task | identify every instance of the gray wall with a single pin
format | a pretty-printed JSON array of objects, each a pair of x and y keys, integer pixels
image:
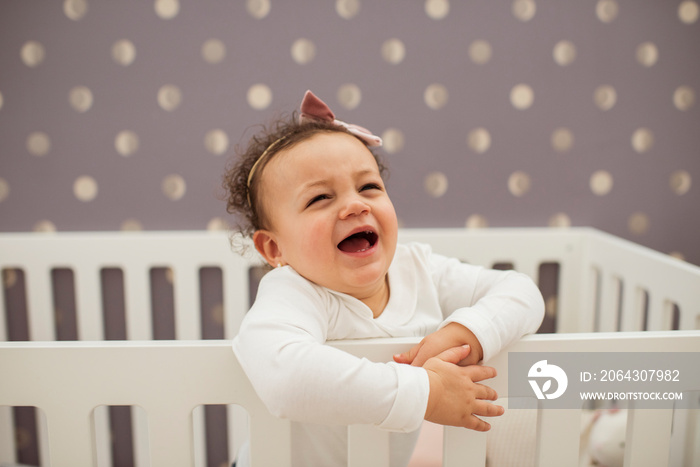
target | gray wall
[{"x": 499, "y": 113}]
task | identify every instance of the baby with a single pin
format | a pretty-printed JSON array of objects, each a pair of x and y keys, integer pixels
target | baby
[{"x": 311, "y": 193}]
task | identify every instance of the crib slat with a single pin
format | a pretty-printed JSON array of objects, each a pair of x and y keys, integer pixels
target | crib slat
[
  {"x": 610, "y": 295},
  {"x": 643, "y": 425},
  {"x": 7, "y": 435},
  {"x": 558, "y": 437},
  {"x": 462, "y": 447},
  {"x": 237, "y": 422},
  {"x": 71, "y": 439},
  {"x": 660, "y": 311},
  {"x": 263, "y": 429},
  {"x": 235, "y": 305},
  {"x": 88, "y": 305},
  {"x": 137, "y": 304},
  {"x": 39, "y": 307},
  {"x": 367, "y": 446},
  {"x": 168, "y": 427},
  {"x": 632, "y": 307},
  {"x": 570, "y": 299},
  {"x": 188, "y": 323}
]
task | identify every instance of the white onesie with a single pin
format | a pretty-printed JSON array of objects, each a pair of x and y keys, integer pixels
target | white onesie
[{"x": 280, "y": 346}]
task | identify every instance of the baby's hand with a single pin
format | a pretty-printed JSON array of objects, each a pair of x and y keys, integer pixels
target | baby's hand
[
  {"x": 452, "y": 335},
  {"x": 456, "y": 397}
]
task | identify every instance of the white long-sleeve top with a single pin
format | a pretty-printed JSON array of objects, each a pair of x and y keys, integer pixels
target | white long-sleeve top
[{"x": 280, "y": 344}]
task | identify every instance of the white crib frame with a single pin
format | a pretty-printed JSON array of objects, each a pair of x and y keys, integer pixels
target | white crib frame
[{"x": 598, "y": 274}]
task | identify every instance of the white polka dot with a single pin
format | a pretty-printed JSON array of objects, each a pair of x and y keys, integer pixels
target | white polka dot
[
  {"x": 32, "y": 53},
  {"x": 479, "y": 140},
  {"x": 647, "y": 54},
  {"x": 4, "y": 189},
  {"x": 213, "y": 51},
  {"x": 75, "y": 9},
  {"x": 259, "y": 96},
  {"x": 80, "y": 98},
  {"x": 642, "y": 140},
  {"x": 601, "y": 182},
  {"x": 480, "y": 52},
  {"x": 126, "y": 143},
  {"x": 218, "y": 224},
  {"x": 605, "y": 97},
  {"x": 393, "y": 140},
  {"x": 684, "y": 98},
  {"x": 476, "y": 221},
  {"x": 437, "y": 9},
  {"x": 393, "y": 51},
  {"x": 167, "y": 9},
  {"x": 131, "y": 225},
  {"x": 347, "y": 9},
  {"x": 174, "y": 187},
  {"x": 258, "y": 9},
  {"x": 688, "y": 12},
  {"x": 560, "y": 220},
  {"x": 303, "y": 51},
  {"x": 435, "y": 184},
  {"x": 169, "y": 97},
  {"x": 123, "y": 52},
  {"x": 44, "y": 226},
  {"x": 38, "y": 143},
  {"x": 564, "y": 53},
  {"x": 562, "y": 140},
  {"x": 519, "y": 183},
  {"x": 436, "y": 96},
  {"x": 216, "y": 142},
  {"x": 349, "y": 96},
  {"x": 522, "y": 96},
  {"x": 680, "y": 182},
  {"x": 524, "y": 10},
  {"x": 607, "y": 10},
  {"x": 85, "y": 188},
  {"x": 638, "y": 223}
]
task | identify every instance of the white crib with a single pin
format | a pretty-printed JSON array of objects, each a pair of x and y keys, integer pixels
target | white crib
[{"x": 602, "y": 285}]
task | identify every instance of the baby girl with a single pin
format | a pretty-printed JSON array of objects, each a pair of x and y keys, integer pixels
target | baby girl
[{"x": 310, "y": 193}]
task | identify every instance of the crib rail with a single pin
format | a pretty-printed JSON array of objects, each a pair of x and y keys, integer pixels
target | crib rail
[
  {"x": 169, "y": 379},
  {"x": 602, "y": 284}
]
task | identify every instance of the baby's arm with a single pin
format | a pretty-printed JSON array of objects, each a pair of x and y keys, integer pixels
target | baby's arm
[
  {"x": 485, "y": 308},
  {"x": 456, "y": 396}
]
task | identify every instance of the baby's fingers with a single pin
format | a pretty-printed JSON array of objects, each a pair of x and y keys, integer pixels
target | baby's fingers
[
  {"x": 487, "y": 409},
  {"x": 409, "y": 357},
  {"x": 485, "y": 393},
  {"x": 480, "y": 373},
  {"x": 483, "y": 409}
]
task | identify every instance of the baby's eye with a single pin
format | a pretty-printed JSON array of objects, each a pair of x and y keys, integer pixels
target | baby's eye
[
  {"x": 317, "y": 198},
  {"x": 370, "y": 186}
]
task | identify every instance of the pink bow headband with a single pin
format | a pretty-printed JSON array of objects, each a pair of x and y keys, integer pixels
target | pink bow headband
[{"x": 314, "y": 109}]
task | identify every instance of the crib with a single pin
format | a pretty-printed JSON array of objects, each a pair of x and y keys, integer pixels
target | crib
[{"x": 601, "y": 292}]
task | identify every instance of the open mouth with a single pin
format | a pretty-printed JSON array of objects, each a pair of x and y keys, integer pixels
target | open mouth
[{"x": 359, "y": 242}]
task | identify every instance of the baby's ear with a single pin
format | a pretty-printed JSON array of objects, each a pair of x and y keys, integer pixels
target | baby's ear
[{"x": 266, "y": 244}]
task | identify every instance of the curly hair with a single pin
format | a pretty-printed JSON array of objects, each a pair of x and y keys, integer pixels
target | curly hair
[{"x": 242, "y": 198}]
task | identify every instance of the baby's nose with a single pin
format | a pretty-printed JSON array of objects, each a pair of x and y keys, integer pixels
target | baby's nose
[{"x": 354, "y": 207}]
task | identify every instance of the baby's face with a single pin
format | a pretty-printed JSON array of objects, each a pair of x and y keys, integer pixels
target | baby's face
[{"x": 330, "y": 215}]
